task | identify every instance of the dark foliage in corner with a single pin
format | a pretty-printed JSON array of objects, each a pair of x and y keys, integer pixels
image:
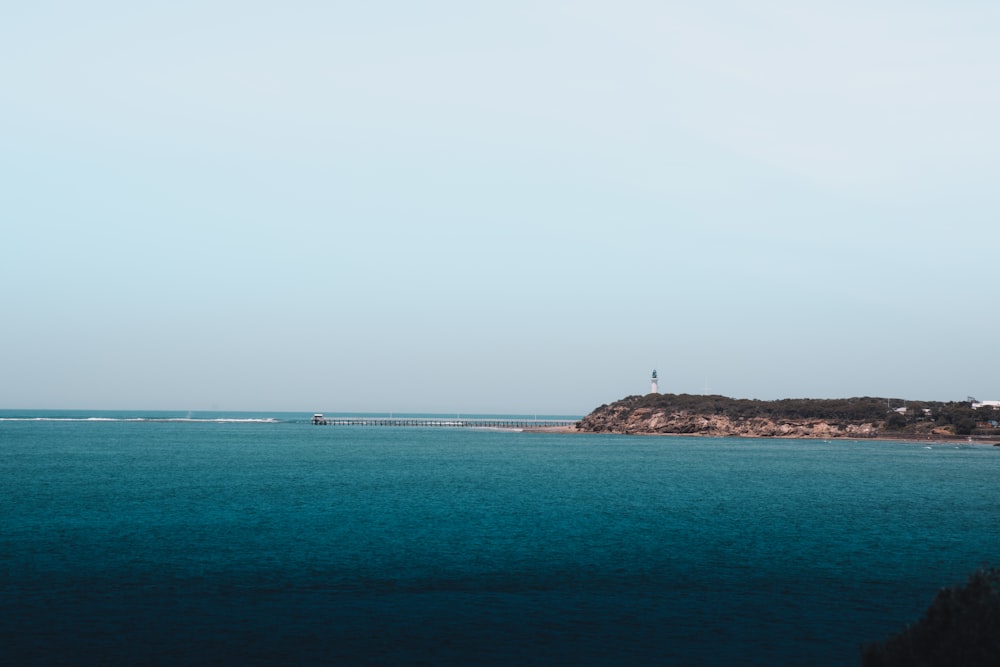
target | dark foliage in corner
[{"x": 961, "y": 628}]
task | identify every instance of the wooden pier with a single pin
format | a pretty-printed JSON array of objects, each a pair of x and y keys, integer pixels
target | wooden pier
[{"x": 443, "y": 422}]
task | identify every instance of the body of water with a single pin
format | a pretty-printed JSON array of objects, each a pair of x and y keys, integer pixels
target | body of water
[{"x": 170, "y": 538}]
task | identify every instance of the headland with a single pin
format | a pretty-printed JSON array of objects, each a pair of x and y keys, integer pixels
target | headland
[{"x": 853, "y": 418}]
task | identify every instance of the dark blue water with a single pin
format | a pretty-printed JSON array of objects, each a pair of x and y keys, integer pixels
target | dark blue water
[{"x": 282, "y": 543}]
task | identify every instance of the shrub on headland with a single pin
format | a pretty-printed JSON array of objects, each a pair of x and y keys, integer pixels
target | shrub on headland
[
  {"x": 961, "y": 628},
  {"x": 854, "y": 409}
]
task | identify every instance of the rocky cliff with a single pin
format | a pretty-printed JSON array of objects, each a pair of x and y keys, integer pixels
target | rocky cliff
[{"x": 618, "y": 418}]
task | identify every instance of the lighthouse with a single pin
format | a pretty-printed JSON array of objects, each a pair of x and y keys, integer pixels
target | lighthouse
[{"x": 654, "y": 384}]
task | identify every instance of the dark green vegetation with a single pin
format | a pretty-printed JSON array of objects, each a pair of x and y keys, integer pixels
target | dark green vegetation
[
  {"x": 961, "y": 627},
  {"x": 892, "y": 415}
]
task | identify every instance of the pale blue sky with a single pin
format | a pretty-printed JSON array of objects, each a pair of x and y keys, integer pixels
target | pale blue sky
[{"x": 504, "y": 207}]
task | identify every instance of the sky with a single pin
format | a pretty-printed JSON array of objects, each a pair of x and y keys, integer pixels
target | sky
[{"x": 516, "y": 207}]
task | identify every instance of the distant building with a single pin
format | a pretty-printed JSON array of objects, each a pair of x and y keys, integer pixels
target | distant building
[
  {"x": 654, "y": 384},
  {"x": 986, "y": 404}
]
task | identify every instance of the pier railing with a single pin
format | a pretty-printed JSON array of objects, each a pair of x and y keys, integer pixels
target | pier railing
[{"x": 443, "y": 422}]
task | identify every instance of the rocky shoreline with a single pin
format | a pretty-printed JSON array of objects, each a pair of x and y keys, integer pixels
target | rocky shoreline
[
  {"x": 637, "y": 416},
  {"x": 649, "y": 421}
]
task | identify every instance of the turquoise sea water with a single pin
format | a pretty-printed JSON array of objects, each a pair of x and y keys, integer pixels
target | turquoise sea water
[{"x": 260, "y": 539}]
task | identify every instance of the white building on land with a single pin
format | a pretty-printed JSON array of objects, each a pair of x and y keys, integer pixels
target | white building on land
[
  {"x": 986, "y": 404},
  {"x": 654, "y": 384}
]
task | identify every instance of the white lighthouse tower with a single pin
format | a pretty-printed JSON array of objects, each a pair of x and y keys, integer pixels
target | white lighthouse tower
[{"x": 654, "y": 384}]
